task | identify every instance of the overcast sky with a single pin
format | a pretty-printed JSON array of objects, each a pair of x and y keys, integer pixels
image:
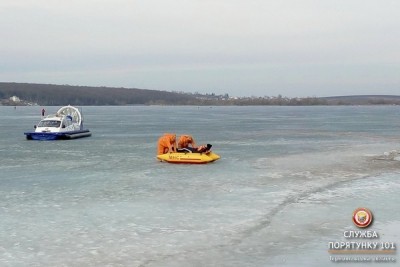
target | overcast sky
[{"x": 240, "y": 47}]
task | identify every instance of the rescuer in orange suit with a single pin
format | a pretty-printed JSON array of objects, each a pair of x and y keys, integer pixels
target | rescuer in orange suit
[
  {"x": 185, "y": 141},
  {"x": 166, "y": 144}
]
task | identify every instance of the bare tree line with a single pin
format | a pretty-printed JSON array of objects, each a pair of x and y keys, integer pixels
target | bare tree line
[{"x": 56, "y": 95}]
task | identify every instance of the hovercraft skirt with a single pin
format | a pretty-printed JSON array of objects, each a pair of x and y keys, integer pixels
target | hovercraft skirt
[{"x": 57, "y": 136}]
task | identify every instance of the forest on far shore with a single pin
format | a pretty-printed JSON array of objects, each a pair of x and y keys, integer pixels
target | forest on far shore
[{"x": 59, "y": 95}]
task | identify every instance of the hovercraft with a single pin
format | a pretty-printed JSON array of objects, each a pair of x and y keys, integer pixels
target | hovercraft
[{"x": 67, "y": 123}]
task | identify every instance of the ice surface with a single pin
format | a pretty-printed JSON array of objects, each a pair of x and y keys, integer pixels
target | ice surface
[{"x": 286, "y": 184}]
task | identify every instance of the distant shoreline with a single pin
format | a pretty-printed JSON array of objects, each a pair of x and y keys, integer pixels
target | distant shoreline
[{"x": 28, "y": 94}]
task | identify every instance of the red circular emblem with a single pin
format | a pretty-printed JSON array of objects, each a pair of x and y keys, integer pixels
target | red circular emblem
[{"x": 362, "y": 217}]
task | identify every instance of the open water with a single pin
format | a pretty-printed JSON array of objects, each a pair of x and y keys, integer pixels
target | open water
[{"x": 286, "y": 185}]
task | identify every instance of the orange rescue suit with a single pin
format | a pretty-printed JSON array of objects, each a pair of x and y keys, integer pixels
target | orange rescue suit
[
  {"x": 185, "y": 140},
  {"x": 166, "y": 142}
]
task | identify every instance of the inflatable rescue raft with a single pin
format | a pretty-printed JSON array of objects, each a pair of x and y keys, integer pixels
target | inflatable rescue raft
[{"x": 189, "y": 158}]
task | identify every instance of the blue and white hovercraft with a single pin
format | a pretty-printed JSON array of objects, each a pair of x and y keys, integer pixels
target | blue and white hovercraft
[{"x": 67, "y": 123}]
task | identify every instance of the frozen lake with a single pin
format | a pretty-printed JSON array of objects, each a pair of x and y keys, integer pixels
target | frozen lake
[{"x": 287, "y": 183}]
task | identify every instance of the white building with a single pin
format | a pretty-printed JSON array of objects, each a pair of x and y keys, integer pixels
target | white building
[{"x": 15, "y": 99}]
